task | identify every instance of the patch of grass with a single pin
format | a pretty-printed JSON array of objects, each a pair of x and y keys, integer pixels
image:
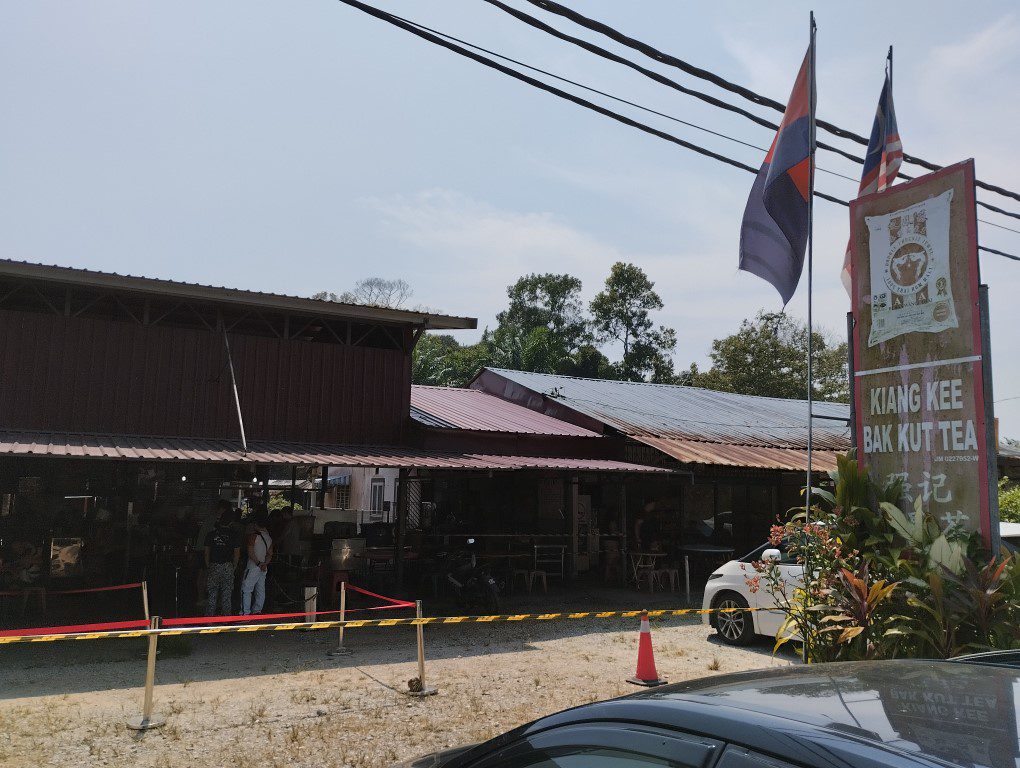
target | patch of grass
[{"x": 715, "y": 665}]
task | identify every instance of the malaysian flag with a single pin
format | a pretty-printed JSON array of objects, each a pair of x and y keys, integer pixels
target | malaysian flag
[{"x": 881, "y": 163}]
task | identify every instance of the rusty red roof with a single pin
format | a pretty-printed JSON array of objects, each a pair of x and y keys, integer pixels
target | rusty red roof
[
  {"x": 453, "y": 408},
  {"x": 207, "y": 450},
  {"x": 759, "y": 457}
]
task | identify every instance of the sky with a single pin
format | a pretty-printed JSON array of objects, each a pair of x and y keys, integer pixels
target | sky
[{"x": 298, "y": 147}]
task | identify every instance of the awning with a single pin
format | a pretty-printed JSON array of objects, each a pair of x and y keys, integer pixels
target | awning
[
  {"x": 208, "y": 450},
  {"x": 756, "y": 457}
]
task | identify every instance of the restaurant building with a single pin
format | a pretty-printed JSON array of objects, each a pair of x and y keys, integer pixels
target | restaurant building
[{"x": 129, "y": 406}]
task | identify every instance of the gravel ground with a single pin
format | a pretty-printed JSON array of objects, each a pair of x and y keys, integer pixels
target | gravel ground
[{"x": 275, "y": 699}]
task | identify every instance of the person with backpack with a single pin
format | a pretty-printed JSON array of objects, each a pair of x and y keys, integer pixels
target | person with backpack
[
  {"x": 222, "y": 551},
  {"x": 260, "y": 552}
]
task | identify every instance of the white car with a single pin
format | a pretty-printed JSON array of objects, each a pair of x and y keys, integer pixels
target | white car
[
  {"x": 727, "y": 587},
  {"x": 1010, "y": 535}
]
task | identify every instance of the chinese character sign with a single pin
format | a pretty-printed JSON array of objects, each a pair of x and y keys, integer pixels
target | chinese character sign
[{"x": 921, "y": 411}]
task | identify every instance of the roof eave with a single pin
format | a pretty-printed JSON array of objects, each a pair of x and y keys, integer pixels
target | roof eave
[{"x": 150, "y": 285}]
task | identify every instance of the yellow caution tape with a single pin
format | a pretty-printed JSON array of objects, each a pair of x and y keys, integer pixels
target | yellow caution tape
[{"x": 357, "y": 623}]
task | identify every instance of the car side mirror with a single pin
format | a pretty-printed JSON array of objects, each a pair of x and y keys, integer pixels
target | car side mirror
[{"x": 771, "y": 554}]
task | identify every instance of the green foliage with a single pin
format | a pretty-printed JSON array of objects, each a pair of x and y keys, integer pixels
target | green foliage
[
  {"x": 280, "y": 501},
  {"x": 886, "y": 582},
  {"x": 621, "y": 313},
  {"x": 548, "y": 302},
  {"x": 1009, "y": 501},
  {"x": 768, "y": 357}
]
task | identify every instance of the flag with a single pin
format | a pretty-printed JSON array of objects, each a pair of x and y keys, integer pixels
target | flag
[
  {"x": 883, "y": 160},
  {"x": 774, "y": 231}
]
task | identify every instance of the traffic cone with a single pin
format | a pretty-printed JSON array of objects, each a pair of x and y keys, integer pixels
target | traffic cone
[{"x": 646, "y": 674}]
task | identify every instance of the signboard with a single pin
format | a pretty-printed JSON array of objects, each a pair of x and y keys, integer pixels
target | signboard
[{"x": 922, "y": 414}]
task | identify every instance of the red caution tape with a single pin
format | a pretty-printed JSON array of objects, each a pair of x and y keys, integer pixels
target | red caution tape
[
  {"x": 106, "y": 626},
  {"x": 393, "y": 600},
  {"x": 199, "y": 620},
  {"x": 49, "y": 592}
]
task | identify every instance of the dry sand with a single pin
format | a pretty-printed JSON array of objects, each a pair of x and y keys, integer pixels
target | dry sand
[{"x": 274, "y": 699}]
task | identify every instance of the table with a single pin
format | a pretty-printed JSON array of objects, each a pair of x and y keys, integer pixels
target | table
[
  {"x": 701, "y": 549},
  {"x": 643, "y": 561}
]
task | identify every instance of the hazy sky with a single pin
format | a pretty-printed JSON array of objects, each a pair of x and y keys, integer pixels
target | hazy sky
[{"x": 301, "y": 146}]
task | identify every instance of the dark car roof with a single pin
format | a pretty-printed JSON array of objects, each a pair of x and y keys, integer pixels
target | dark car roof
[{"x": 923, "y": 712}]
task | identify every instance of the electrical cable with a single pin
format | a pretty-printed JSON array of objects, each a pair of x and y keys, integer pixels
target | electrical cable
[
  {"x": 436, "y": 38},
  {"x": 747, "y": 93},
  {"x": 663, "y": 80},
  {"x": 656, "y": 76},
  {"x": 607, "y": 95}
]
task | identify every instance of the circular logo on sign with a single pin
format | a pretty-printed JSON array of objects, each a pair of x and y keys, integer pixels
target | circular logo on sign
[
  {"x": 908, "y": 265},
  {"x": 940, "y": 312}
]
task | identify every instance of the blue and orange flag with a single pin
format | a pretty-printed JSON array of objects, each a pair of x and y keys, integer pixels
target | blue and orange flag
[{"x": 774, "y": 232}]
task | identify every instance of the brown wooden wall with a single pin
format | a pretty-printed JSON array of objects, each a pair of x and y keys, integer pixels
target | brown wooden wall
[{"x": 96, "y": 375}]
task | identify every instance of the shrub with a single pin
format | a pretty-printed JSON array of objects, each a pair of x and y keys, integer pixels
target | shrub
[{"x": 882, "y": 582}]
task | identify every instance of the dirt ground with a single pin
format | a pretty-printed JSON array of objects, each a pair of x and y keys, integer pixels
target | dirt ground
[{"x": 275, "y": 699}]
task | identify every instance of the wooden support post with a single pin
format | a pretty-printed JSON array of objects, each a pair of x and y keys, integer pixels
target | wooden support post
[{"x": 146, "y": 720}]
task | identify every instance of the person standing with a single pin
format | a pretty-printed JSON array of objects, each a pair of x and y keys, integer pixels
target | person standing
[
  {"x": 222, "y": 551},
  {"x": 260, "y": 552}
]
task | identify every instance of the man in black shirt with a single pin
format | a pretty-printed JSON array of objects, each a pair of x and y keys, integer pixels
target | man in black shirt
[{"x": 222, "y": 551}]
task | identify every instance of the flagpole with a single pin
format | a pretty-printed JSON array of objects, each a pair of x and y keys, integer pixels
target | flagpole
[{"x": 810, "y": 320}]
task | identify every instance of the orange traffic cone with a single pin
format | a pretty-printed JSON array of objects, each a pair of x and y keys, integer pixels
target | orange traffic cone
[{"x": 646, "y": 674}]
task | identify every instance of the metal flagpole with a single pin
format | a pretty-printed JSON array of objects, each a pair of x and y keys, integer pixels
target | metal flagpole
[{"x": 810, "y": 320}]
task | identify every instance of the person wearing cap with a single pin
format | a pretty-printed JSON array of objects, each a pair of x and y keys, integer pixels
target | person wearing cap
[{"x": 260, "y": 552}]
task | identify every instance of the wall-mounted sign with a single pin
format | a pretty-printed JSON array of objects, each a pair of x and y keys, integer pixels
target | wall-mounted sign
[{"x": 922, "y": 414}]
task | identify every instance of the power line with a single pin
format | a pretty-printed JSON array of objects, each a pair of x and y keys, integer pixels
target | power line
[
  {"x": 747, "y": 93},
  {"x": 653, "y": 75},
  {"x": 663, "y": 80},
  {"x": 435, "y": 37},
  {"x": 607, "y": 95}
]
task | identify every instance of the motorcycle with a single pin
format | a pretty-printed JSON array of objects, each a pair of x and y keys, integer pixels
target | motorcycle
[{"x": 471, "y": 584}]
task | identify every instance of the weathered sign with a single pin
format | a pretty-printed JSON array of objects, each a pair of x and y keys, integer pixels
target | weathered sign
[{"x": 921, "y": 410}]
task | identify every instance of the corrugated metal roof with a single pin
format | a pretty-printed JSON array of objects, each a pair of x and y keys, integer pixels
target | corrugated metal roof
[
  {"x": 689, "y": 413},
  {"x": 452, "y": 408},
  {"x": 199, "y": 291},
  {"x": 694, "y": 452},
  {"x": 134, "y": 448}
]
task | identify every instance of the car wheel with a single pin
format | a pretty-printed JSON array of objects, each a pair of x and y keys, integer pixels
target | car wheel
[{"x": 734, "y": 625}]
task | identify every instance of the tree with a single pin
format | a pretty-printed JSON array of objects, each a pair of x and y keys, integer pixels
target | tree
[
  {"x": 432, "y": 358},
  {"x": 587, "y": 362},
  {"x": 768, "y": 357},
  {"x": 620, "y": 312},
  {"x": 376, "y": 291},
  {"x": 546, "y": 301}
]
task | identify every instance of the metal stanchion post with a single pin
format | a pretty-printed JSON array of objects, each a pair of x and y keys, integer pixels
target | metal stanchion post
[
  {"x": 146, "y": 720},
  {"x": 340, "y": 650},
  {"x": 422, "y": 688},
  {"x": 687, "y": 578},
  {"x": 145, "y": 599}
]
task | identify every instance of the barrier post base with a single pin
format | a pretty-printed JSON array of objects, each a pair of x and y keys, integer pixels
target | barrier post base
[
  {"x": 646, "y": 683},
  {"x": 428, "y": 690},
  {"x": 141, "y": 723}
]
